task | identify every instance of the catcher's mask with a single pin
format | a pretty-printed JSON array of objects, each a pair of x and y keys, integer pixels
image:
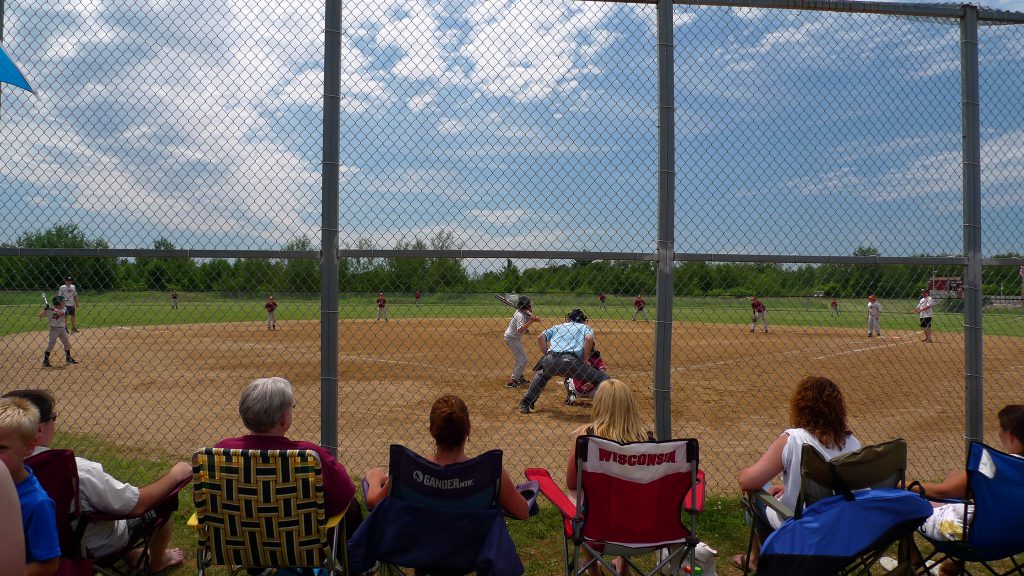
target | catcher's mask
[
  {"x": 576, "y": 315},
  {"x": 523, "y": 302}
]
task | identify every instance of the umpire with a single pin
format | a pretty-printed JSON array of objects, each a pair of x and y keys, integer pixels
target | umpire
[{"x": 566, "y": 349}]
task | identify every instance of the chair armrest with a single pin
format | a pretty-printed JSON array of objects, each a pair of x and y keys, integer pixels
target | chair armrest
[
  {"x": 771, "y": 502},
  {"x": 694, "y": 501},
  {"x": 551, "y": 491}
]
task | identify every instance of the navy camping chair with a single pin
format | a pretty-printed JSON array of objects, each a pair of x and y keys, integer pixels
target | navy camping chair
[
  {"x": 833, "y": 535},
  {"x": 995, "y": 485},
  {"x": 438, "y": 519}
]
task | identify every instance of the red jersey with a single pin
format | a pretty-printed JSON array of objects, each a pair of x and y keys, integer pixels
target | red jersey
[
  {"x": 417, "y": 295},
  {"x": 270, "y": 305},
  {"x": 639, "y": 303},
  {"x": 601, "y": 296},
  {"x": 757, "y": 305},
  {"x": 381, "y": 302}
]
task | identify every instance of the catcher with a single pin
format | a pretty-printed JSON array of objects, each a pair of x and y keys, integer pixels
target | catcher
[{"x": 577, "y": 388}]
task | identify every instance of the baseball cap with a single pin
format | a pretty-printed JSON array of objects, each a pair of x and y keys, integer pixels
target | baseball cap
[
  {"x": 68, "y": 278},
  {"x": 871, "y": 297}
]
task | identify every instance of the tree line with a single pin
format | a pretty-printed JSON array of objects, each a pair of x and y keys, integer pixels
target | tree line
[{"x": 436, "y": 275}]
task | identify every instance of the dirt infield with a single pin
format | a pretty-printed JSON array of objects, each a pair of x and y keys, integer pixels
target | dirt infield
[{"x": 174, "y": 388}]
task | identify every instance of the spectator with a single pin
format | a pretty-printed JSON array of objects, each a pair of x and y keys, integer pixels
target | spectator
[
  {"x": 12, "y": 534},
  {"x": 101, "y": 493},
  {"x": 614, "y": 416},
  {"x": 266, "y": 410},
  {"x": 449, "y": 426},
  {"x": 817, "y": 414},
  {"x": 947, "y": 520},
  {"x": 19, "y": 426}
]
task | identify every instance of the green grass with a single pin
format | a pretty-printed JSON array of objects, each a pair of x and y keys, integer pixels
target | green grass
[{"x": 18, "y": 311}]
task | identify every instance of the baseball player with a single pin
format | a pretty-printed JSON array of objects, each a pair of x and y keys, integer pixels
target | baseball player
[
  {"x": 566, "y": 350},
  {"x": 417, "y": 298},
  {"x": 70, "y": 294},
  {"x": 57, "y": 315},
  {"x": 271, "y": 307},
  {"x": 833, "y": 309},
  {"x": 760, "y": 313},
  {"x": 638, "y": 307},
  {"x": 924, "y": 309},
  {"x": 601, "y": 298},
  {"x": 382, "y": 307},
  {"x": 874, "y": 316},
  {"x": 174, "y": 299},
  {"x": 517, "y": 326}
]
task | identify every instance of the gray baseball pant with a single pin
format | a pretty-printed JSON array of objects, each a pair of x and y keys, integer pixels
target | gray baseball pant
[
  {"x": 874, "y": 325},
  {"x": 62, "y": 333},
  {"x": 519, "y": 353},
  {"x": 560, "y": 364}
]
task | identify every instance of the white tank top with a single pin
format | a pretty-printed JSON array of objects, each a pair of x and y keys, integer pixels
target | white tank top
[{"x": 791, "y": 464}]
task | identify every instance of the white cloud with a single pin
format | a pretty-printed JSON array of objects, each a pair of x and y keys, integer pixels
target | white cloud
[{"x": 500, "y": 217}]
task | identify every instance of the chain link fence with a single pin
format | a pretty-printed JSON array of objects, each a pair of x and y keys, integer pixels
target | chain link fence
[{"x": 170, "y": 165}]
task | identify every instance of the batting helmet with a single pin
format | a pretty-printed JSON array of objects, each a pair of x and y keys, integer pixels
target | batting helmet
[
  {"x": 57, "y": 299},
  {"x": 523, "y": 302},
  {"x": 576, "y": 315}
]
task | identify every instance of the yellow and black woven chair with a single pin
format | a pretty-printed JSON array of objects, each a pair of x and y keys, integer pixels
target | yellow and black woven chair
[{"x": 258, "y": 509}]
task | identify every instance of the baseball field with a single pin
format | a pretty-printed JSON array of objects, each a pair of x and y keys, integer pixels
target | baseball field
[{"x": 167, "y": 382}]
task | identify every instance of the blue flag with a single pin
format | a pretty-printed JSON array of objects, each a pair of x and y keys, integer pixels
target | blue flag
[{"x": 10, "y": 73}]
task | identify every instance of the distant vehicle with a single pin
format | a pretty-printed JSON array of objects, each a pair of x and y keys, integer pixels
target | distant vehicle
[
  {"x": 819, "y": 294},
  {"x": 946, "y": 287}
]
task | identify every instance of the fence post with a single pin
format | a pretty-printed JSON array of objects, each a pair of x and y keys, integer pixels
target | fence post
[
  {"x": 329, "y": 229},
  {"x": 666, "y": 224},
  {"x": 974, "y": 386}
]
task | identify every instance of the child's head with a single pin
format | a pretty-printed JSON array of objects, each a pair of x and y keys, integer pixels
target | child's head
[
  {"x": 615, "y": 413},
  {"x": 19, "y": 426},
  {"x": 1011, "y": 428}
]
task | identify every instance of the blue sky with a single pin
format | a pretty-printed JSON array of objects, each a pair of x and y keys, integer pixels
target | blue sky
[{"x": 527, "y": 125}]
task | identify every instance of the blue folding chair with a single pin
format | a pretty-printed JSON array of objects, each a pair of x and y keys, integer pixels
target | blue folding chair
[
  {"x": 834, "y": 535},
  {"x": 995, "y": 488},
  {"x": 438, "y": 519}
]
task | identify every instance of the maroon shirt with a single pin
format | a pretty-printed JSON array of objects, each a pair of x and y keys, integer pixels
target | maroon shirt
[
  {"x": 639, "y": 303},
  {"x": 338, "y": 487},
  {"x": 757, "y": 306}
]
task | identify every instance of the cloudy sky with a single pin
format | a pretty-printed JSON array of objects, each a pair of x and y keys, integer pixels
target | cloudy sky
[{"x": 511, "y": 124}]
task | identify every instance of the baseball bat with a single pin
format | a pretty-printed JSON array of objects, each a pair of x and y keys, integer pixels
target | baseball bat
[
  {"x": 46, "y": 303},
  {"x": 505, "y": 301}
]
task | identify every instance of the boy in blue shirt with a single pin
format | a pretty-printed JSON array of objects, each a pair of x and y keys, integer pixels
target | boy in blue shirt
[{"x": 19, "y": 427}]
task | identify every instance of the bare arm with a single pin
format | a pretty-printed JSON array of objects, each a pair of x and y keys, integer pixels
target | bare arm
[
  {"x": 378, "y": 486},
  {"x": 510, "y": 499},
  {"x": 954, "y": 486},
  {"x": 767, "y": 467},
  {"x": 542, "y": 343},
  {"x": 570, "y": 469},
  {"x": 47, "y": 568},
  {"x": 12, "y": 553},
  {"x": 588, "y": 347},
  {"x": 151, "y": 494},
  {"x": 531, "y": 319}
]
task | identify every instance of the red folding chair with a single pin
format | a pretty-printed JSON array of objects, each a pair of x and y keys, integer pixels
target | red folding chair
[
  {"x": 630, "y": 501},
  {"x": 58, "y": 474}
]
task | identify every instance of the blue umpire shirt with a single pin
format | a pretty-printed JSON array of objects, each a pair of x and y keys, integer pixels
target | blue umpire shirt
[{"x": 568, "y": 337}]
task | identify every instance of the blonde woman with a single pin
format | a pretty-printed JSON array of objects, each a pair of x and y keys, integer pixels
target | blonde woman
[{"x": 615, "y": 417}]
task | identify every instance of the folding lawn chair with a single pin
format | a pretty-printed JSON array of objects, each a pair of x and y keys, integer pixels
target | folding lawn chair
[
  {"x": 834, "y": 535},
  {"x": 630, "y": 499},
  {"x": 58, "y": 474},
  {"x": 264, "y": 509},
  {"x": 995, "y": 485},
  {"x": 438, "y": 519},
  {"x": 879, "y": 466}
]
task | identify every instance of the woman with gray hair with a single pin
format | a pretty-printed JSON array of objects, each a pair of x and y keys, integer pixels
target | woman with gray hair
[{"x": 266, "y": 410}]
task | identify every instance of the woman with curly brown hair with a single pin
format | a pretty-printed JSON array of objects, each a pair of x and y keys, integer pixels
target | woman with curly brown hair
[{"x": 817, "y": 416}]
